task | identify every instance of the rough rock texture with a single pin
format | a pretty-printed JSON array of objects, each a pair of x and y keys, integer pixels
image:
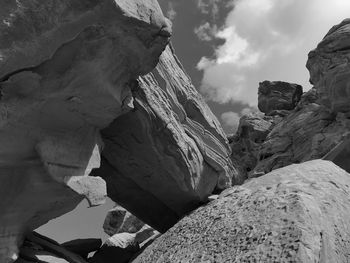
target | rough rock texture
[
  {"x": 65, "y": 73},
  {"x": 307, "y": 134},
  {"x": 295, "y": 214},
  {"x": 251, "y": 133},
  {"x": 119, "y": 220},
  {"x": 277, "y": 96},
  {"x": 329, "y": 68},
  {"x": 169, "y": 153}
]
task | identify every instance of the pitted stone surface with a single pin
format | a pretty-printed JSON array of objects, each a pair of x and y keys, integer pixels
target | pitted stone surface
[{"x": 297, "y": 213}]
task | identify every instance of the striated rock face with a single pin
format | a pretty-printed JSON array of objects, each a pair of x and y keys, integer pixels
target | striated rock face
[
  {"x": 295, "y": 214},
  {"x": 66, "y": 69},
  {"x": 307, "y": 134},
  {"x": 329, "y": 68},
  {"x": 169, "y": 153},
  {"x": 69, "y": 69},
  {"x": 276, "y": 96}
]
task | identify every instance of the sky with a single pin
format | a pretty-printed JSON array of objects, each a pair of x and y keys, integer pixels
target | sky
[{"x": 228, "y": 47}]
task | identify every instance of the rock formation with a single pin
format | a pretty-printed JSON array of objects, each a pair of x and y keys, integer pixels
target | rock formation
[
  {"x": 317, "y": 127},
  {"x": 329, "y": 68},
  {"x": 69, "y": 69},
  {"x": 276, "y": 97},
  {"x": 297, "y": 213},
  {"x": 119, "y": 220},
  {"x": 168, "y": 153}
]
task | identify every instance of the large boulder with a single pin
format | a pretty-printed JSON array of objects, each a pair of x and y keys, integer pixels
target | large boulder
[
  {"x": 330, "y": 68},
  {"x": 278, "y": 96},
  {"x": 163, "y": 159},
  {"x": 297, "y": 213},
  {"x": 65, "y": 73}
]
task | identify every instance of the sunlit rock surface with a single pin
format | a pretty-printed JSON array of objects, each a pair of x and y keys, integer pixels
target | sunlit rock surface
[
  {"x": 169, "y": 153},
  {"x": 297, "y": 213},
  {"x": 330, "y": 68},
  {"x": 66, "y": 69}
]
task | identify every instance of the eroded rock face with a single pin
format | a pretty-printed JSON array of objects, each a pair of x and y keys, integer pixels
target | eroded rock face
[
  {"x": 295, "y": 214},
  {"x": 65, "y": 73},
  {"x": 329, "y": 68},
  {"x": 277, "y": 96},
  {"x": 169, "y": 153},
  {"x": 246, "y": 143}
]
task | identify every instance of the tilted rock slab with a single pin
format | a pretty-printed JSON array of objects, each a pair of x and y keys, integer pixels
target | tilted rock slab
[
  {"x": 165, "y": 157},
  {"x": 330, "y": 68},
  {"x": 65, "y": 73},
  {"x": 298, "y": 213}
]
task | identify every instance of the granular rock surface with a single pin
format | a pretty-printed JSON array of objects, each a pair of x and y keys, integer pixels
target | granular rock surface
[{"x": 297, "y": 213}]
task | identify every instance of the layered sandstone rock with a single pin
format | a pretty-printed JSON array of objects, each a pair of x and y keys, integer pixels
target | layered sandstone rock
[
  {"x": 297, "y": 213},
  {"x": 275, "y": 97},
  {"x": 169, "y": 153},
  {"x": 65, "y": 73},
  {"x": 71, "y": 68},
  {"x": 329, "y": 68}
]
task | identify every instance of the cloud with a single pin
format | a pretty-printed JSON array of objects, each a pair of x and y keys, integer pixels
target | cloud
[
  {"x": 206, "y": 32},
  {"x": 231, "y": 120},
  {"x": 266, "y": 39},
  {"x": 171, "y": 13}
]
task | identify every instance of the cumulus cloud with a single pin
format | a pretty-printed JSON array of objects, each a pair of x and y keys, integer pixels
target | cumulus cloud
[
  {"x": 231, "y": 120},
  {"x": 206, "y": 32},
  {"x": 266, "y": 39},
  {"x": 171, "y": 13}
]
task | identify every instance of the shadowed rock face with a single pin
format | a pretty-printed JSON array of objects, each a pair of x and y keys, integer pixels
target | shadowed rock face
[
  {"x": 295, "y": 214},
  {"x": 277, "y": 96},
  {"x": 329, "y": 68},
  {"x": 65, "y": 73},
  {"x": 69, "y": 69},
  {"x": 169, "y": 153}
]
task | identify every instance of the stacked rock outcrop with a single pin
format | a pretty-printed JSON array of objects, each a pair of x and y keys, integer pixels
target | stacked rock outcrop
[{"x": 303, "y": 127}]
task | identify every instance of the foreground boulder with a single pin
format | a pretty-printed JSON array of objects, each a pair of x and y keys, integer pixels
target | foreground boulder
[
  {"x": 297, "y": 213},
  {"x": 165, "y": 157},
  {"x": 65, "y": 73},
  {"x": 330, "y": 68}
]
